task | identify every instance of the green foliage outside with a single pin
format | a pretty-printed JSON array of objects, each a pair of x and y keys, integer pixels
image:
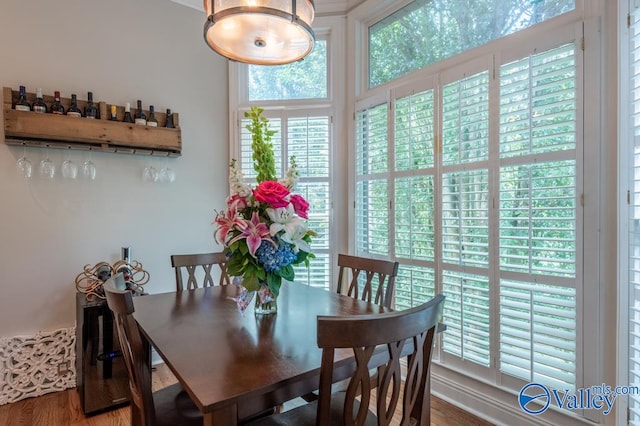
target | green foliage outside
[{"x": 428, "y": 31}]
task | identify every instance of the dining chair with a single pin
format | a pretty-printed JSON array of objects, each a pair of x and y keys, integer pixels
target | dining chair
[
  {"x": 371, "y": 280},
  {"x": 190, "y": 263},
  {"x": 168, "y": 406},
  {"x": 361, "y": 274},
  {"x": 406, "y": 334}
]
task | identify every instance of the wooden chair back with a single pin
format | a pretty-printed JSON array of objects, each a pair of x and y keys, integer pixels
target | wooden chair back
[
  {"x": 121, "y": 304},
  {"x": 353, "y": 267},
  {"x": 410, "y": 332},
  {"x": 190, "y": 264}
]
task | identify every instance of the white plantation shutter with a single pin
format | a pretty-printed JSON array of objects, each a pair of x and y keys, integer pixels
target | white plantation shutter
[
  {"x": 538, "y": 218},
  {"x": 414, "y": 285},
  {"x": 465, "y": 127},
  {"x": 414, "y": 197},
  {"x": 414, "y": 222},
  {"x": 537, "y": 103},
  {"x": 483, "y": 209},
  {"x": 633, "y": 215},
  {"x": 464, "y": 206},
  {"x": 465, "y": 218},
  {"x": 466, "y": 313},
  {"x": 414, "y": 137},
  {"x": 308, "y": 139},
  {"x": 537, "y": 339},
  {"x": 372, "y": 198}
]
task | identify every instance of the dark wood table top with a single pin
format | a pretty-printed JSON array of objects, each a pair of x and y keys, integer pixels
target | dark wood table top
[{"x": 234, "y": 365}]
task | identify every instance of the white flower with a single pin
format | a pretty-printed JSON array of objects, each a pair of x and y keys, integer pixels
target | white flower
[
  {"x": 291, "y": 179},
  {"x": 236, "y": 181},
  {"x": 285, "y": 219}
]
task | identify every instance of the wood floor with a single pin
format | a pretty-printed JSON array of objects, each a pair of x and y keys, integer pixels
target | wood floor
[{"x": 63, "y": 409}]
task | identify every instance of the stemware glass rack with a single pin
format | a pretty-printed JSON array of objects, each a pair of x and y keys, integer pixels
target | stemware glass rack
[{"x": 29, "y": 128}]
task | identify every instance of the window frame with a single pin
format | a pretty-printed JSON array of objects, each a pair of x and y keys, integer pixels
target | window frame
[{"x": 589, "y": 276}]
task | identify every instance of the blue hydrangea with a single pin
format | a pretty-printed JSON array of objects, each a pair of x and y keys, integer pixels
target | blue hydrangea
[{"x": 273, "y": 258}]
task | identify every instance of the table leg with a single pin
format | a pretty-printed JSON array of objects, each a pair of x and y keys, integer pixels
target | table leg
[{"x": 227, "y": 416}]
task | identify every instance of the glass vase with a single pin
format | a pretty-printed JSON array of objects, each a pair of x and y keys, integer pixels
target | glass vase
[{"x": 266, "y": 303}]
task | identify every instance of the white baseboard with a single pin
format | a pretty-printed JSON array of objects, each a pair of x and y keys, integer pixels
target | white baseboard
[{"x": 493, "y": 404}]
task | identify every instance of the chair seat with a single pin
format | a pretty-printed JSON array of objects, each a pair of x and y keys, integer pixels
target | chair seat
[
  {"x": 305, "y": 415},
  {"x": 174, "y": 407}
]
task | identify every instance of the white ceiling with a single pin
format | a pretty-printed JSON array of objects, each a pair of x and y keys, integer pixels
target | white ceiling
[{"x": 323, "y": 7}]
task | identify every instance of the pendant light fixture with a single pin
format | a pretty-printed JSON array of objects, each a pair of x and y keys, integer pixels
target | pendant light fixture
[{"x": 261, "y": 32}]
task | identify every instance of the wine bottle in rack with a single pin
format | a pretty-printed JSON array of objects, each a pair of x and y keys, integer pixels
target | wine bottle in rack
[
  {"x": 114, "y": 113},
  {"x": 140, "y": 117},
  {"x": 56, "y": 106},
  {"x": 22, "y": 104},
  {"x": 90, "y": 111},
  {"x": 152, "y": 121},
  {"x": 127, "y": 113},
  {"x": 73, "y": 110},
  {"x": 39, "y": 105},
  {"x": 169, "y": 123}
]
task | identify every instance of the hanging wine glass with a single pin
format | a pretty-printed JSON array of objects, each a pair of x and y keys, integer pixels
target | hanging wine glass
[
  {"x": 47, "y": 167},
  {"x": 166, "y": 175},
  {"x": 149, "y": 174},
  {"x": 23, "y": 165},
  {"x": 69, "y": 168},
  {"x": 89, "y": 169}
]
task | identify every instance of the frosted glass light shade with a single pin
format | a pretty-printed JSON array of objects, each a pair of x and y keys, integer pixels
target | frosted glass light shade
[{"x": 261, "y": 32}]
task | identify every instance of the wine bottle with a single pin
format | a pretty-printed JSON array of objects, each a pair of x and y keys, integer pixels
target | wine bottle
[
  {"x": 169, "y": 123},
  {"x": 125, "y": 264},
  {"x": 114, "y": 113},
  {"x": 56, "y": 106},
  {"x": 22, "y": 104},
  {"x": 127, "y": 113},
  {"x": 39, "y": 105},
  {"x": 73, "y": 110},
  {"x": 140, "y": 116},
  {"x": 152, "y": 122},
  {"x": 90, "y": 111}
]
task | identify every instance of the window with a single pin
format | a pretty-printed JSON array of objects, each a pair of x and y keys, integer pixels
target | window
[
  {"x": 307, "y": 137},
  {"x": 481, "y": 163},
  {"x": 427, "y": 31},
  {"x": 630, "y": 225},
  {"x": 306, "y": 79}
]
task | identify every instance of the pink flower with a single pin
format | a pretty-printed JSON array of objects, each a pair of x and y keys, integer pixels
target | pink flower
[
  {"x": 300, "y": 205},
  {"x": 254, "y": 231},
  {"x": 273, "y": 193},
  {"x": 227, "y": 221},
  {"x": 237, "y": 202}
]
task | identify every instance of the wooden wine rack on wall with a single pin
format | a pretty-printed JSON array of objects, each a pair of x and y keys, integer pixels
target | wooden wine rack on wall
[{"x": 61, "y": 131}]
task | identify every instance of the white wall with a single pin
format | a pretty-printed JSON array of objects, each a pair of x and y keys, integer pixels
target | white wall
[{"x": 122, "y": 50}]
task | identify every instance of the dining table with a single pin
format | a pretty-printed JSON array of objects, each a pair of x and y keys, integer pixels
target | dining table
[{"x": 234, "y": 365}]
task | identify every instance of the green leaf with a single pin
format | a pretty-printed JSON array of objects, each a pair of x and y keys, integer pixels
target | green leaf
[
  {"x": 251, "y": 283},
  {"x": 274, "y": 282},
  {"x": 287, "y": 273}
]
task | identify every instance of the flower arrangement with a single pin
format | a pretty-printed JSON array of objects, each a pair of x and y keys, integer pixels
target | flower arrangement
[{"x": 264, "y": 229}]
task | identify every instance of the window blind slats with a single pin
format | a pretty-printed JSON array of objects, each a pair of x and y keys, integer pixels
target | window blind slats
[
  {"x": 466, "y": 314},
  {"x": 537, "y": 103},
  {"x": 537, "y": 327},
  {"x": 634, "y": 224},
  {"x": 465, "y": 124},
  {"x": 414, "y": 121},
  {"x": 414, "y": 221}
]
